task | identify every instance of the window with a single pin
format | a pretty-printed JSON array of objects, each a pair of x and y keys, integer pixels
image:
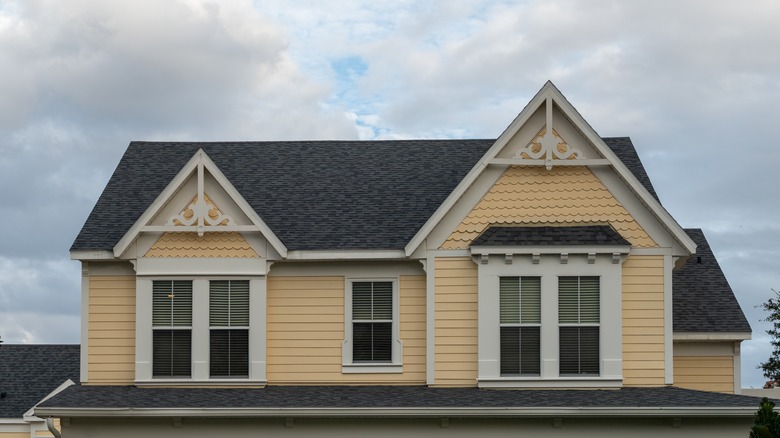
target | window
[
  {"x": 229, "y": 328},
  {"x": 520, "y": 321},
  {"x": 372, "y": 321},
  {"x": 578, "y": 317},
  {"x": 172, "y": 328}
]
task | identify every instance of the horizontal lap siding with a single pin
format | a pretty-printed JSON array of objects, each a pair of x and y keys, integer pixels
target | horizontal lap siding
[
  {"x": 643, "y": 321},
  {"x": 456, "y": 322},
  {"x": 306, "y": 332},
  {"x": 563, "y": 196},
  {"x": 111, "y": 333},
  {"x": 705, "y": 373}
]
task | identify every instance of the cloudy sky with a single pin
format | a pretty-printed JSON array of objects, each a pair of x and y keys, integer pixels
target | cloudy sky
[{"x": 694, "y": 83}]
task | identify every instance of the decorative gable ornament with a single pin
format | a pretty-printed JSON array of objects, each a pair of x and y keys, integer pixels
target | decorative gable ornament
[
  {"x": 548, "y": 145},
  {"x": 201, "y": 212}
]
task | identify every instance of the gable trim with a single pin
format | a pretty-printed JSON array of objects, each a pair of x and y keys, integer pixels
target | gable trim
[
  {"x": 199, "y": 161},
  {"x": 549, "y": 91}
]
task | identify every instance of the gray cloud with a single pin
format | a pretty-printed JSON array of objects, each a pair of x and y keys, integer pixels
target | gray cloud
[{"x": 694, "y": 84}]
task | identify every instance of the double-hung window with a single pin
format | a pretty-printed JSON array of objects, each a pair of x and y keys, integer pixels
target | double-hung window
[
  {"x": 578, "y": 319},
  {"x": 172, "y": 328},
  {"x": 372, "y": 321},
  {"x": 229, "y": 328},
  {"x": 520, "y": 321}
]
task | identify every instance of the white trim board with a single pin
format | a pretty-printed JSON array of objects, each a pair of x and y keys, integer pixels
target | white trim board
[
  {"x": 551, "y": 93},
  {"x": 200, "y": 161}
]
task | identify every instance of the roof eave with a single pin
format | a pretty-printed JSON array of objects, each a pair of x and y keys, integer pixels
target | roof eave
[
  {"x": 712, "y": 336},
  {"x": 437, "y": 412}
]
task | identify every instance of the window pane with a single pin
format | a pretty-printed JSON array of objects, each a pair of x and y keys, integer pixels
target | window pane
[
  {"x": 589, "y": 299},
  {"x": 509, "y": 297},
  {"x": 372, "y": 342},
  {"x": 229, "y": 353},
  {"x": 229, "y": 303},
  {"x": 530, "y": 359},
  {"x": 530, "y": 300},
  {"x": 579, "y": 350},
  {"x": 171, "y": 353},
  {"x": 568, "y": 299},
  {"x": 510, "y": 350},
  {"x": 520, "y": 348},
  {"x": 172, "y": 303},
  {"x": 383, "y": 300},
  {"x": 361, "y": 301}
]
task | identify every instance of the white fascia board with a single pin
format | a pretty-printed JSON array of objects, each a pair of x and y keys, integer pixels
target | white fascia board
[
  {"x": 250, "y": 212},
  {"x": 319, "y": 255},
  {"x": 549, "y": 90},
  {"x": 352, "y": 412},
  {"x": 199, "y": 157},
  {"x": 711, "y": 336},
  {"x": 29, "y": 416},
  {"x": 158, "y": 203},
  {"x": 551, "y": 249},
  {"x": 91, "y": 255},
  {"x": 538, "y": 100},
  {"x": 655, "y": 207},
  {"x": 13, "y": 421}
]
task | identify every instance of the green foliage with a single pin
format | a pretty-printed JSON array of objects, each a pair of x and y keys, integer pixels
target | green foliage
[
  {"x": 767, "y": 422},
  {"x": 771, "y": 367}
]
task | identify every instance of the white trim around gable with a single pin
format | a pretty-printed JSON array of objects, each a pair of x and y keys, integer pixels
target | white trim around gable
[
  {"x": 199, "y": 163},
  {"x": 549, "y": 95}
]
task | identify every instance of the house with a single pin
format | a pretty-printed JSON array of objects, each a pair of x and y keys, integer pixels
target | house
[
  {"x": 30, "y": 374},
  {"x": 531, "y": 284}
]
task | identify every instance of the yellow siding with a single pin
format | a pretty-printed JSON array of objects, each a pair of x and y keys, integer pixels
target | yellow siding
[
  {"x": 705, "y": 373},
  {"x": 216, "y": 245},
  {"x": 306, "y": 332},
  {"x": 536, "y": 196},
  {"x": 643, "y": 321},
  {"x": 456, "y": 322},
  {"x": 111, "y": 330},
  {"x": 14, "y": 434}
]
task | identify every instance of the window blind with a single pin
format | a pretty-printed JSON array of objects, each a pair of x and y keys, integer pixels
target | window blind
[
  {"x": 372, "y": 321},
  {"x": 520, "y": 316},
  {"x": 229, "y": 322},
  {"x": 171, "y": 334}
]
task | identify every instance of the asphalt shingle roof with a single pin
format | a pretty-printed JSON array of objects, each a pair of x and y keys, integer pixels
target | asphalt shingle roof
[
  {"x": 543, "y": 236},
  {"x": 29, "y": 373},
  {"x": 702, "y": 300},
  {"x": 312, "y": 194},
  {"x": 385, "y": 397}
]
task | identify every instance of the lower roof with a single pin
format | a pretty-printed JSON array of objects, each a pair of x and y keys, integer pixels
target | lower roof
[{"x": 402, "y": 401}]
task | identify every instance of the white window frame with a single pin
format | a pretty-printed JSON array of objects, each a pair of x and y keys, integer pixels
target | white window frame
[
  {"x": 549, "y": 264},
  {"x": 219, "y": 269},
  {"x": 347, "y": 364}
]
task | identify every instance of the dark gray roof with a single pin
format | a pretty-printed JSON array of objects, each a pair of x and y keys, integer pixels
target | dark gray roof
[
  {"x": 29, "y": 373},
  {"x": 312, "y": 194},
  {"x": 544, "y": 236},
  {"x": 702, "y": 298},
  {"x": 385, "y": 397}
]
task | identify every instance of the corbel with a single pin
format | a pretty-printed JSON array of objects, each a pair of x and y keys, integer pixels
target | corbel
[
  {"x": 177, "y": 422},
  {"x": 557, "y": 422},
  {"x": 445, "y": 423},
  {"x": 676, "y": 422},
  {"x": 564, "y": 258},
  {"x": 289, "y": 422},
  {"x": 484, "y": 259},
  {"x": 591, "y": 258},
  {"x": 615, "y": 258},
  {"x": 508, "y": 259},
  {"x": 535, "y": 258}
]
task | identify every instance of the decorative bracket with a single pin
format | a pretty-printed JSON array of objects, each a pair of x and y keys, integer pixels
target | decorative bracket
[
  {"x": 549, "y": 146},
  {"x": 201, "y": 211}
]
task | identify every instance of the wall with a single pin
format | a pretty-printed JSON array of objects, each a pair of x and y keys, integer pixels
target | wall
[
  {"x": 392, "y": 428},
  {"x": 455, "y": 322},
  {"x": 306, "y": 331},
  {"x": 705, "y": 366},
  {"x": 111, "y": 329},
  {"x": 643, "y": 321}
]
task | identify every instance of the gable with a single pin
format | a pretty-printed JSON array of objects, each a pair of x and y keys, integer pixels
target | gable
[
  {"x": 535, "y": 196},
  {"x": 210, "y": 245}
]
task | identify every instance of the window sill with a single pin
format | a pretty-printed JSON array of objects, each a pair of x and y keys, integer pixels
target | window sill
[
  {"x": 202, "y": 383},
  {"x": 372, "y": 368},
  {"x": 561, "y": 382}
]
